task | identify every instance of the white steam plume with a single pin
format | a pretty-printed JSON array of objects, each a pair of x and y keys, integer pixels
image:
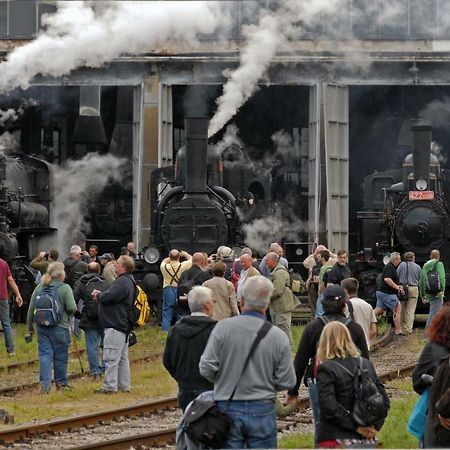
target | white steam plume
[
  {"x": 92, "y": 33},
  {"x": 262, "y": 42},
  {"x": 75, "y": 184},
  {"x": 437, "y": 112},
  {"x": 8, "y": 143},
  {"x": 261, "y": 232}
]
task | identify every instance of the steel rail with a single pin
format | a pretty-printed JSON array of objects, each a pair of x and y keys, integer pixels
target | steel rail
[{"x": 25, "y": 431}]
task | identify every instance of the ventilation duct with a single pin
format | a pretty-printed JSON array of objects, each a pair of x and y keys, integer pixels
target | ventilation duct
[{"x": 89, "y": 127}]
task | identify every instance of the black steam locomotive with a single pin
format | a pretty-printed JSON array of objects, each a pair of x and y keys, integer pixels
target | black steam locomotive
[
  {"x": 405, "y": 210},
  {"x": 201, "y": 203}
]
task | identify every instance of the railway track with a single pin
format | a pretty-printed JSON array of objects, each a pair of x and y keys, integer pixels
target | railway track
[
  {"x": 12, "y": 390},
  {"x": 156, "y": 438}
]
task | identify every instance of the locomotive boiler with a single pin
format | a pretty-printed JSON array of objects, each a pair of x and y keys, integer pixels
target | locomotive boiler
[{"x": 406, "y": 209}]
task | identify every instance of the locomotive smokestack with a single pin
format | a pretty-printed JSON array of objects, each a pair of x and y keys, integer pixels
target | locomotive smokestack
[
  {"x": 421, "y": 151},
  {"x": 196, "y": 147}
]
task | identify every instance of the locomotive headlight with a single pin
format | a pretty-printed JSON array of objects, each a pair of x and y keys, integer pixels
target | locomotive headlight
[
  {"x": 151, "y": 255},
  {"x": 421, "y": 184}
]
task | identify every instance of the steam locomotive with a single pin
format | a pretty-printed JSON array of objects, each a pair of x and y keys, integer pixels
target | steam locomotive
[
  {"x": 25, "y": 199},
  {"x": 404, "y": 210},
  {"x": 202, "y": 201}
]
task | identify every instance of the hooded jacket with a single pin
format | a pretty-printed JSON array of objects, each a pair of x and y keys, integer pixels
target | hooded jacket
[{"x": 184, "y": 346}]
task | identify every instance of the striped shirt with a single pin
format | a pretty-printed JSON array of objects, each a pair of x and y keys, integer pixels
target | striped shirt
[{"x": 409, "y": 273}]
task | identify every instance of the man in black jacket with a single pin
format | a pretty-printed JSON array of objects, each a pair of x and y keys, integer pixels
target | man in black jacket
[
  {"x": 114, "y": 312},
  {"x": 185, "y": 344},
  {"x": 195, "y": 276},
  {"x": 89, "y": 320},
  {"x": 334, "y": 302}
]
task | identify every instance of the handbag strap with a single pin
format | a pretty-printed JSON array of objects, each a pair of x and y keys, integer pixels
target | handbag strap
[{"x": 259, "y": 337}]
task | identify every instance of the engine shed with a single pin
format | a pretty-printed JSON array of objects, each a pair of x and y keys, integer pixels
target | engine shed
[{"x": 343, "y": 92}]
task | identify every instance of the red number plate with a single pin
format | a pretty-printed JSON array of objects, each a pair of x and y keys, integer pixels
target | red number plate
[{"x": 421, "y": 195}]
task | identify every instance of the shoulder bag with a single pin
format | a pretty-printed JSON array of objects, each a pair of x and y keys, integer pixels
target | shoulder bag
[
  {"x": 417, "y": 418},
  {"x": 205, "y": 423}
]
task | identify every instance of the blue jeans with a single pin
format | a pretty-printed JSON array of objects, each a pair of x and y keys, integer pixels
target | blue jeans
[
  {"x": 435, "y": 306},
  {"x": 254, "y": 424},
  {"x": 6, "y": 324},
  {"x": 53, "y": 344},
  {"x": 169, "y": 305},
  {"x": 319, "y": 306},
  {"x": 314, "y": 401},
  {"x": 93, "y": 337}
]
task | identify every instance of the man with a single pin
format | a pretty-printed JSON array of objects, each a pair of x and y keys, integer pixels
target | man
[
  {"x": 387, "y": 292},
  {"x": 269, "y": 370},
  {"x": 114, "y": 312},
  {"x": 361, "y": 311},
  {"x": 131, "y": 247},
  {"x": 339, "y": 271},
  {"x": 74, "y": 266},
  {"x": 185, "y": 344},
  {"x": 334, "y": 303},
  {"x": 109, "y": 267},
  {"x": 89, "y": 319},
  {"x": 282, "y": 301},
  {"x": 172, "y": 269},
  {"x": 275, "y": 248},
  {"x": 247, "y": 271},
  {"x": 6, "y": 280},
  {"x": 195, "y": 276},
  {"x": 326, "y": 265},
  {"x": 409, "y": 274},
  {"x": 435, "y": 299},
  {"x": 42, "y": 260},
  {"x": 93, "y": 253}
]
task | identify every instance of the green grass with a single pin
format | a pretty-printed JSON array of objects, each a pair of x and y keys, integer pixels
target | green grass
[{"x": 392, "y": 435}]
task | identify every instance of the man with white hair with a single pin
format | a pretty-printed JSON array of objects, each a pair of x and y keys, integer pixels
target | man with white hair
[
  {"x": 276, "y": 248},
  {"x": 185, "y": 344},
  {"x": 269, "y": 370},
  {"x": 74, "y": 266},
  {"x": 388, "y": 290}
]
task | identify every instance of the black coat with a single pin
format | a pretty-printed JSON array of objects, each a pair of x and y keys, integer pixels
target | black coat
[
  {"x": 116, "y": 302},
  {"x": 306, "y": 352},
  {"x": 429, "y": 360},
  {"x": 185, "y": 344},
  {"x": 336, "y": 391},
  {"x": 82, "y": 291}
]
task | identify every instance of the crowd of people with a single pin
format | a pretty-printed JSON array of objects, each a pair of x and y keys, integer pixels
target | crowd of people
[{"x": 228, "y": 324}]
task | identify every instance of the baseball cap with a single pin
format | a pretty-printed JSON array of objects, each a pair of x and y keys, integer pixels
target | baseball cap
[{"x": 334, "y": 292}]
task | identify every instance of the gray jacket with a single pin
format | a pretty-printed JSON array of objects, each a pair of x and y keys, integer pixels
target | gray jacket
[{"x": 269, "y": 370}]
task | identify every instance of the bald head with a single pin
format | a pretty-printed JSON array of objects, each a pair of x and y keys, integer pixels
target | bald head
[
  {"x": 93, "y": 267},
  {"x": 174, "y": 255},
  {"x": 198, "y": 259}
]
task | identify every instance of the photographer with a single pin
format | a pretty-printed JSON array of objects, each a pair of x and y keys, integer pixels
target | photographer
[{"x": 42, "y": 261}]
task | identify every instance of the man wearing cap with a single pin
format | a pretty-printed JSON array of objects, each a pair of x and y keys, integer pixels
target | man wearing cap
[
  {"x": 109, "y": 267},
  {"x": 334, "y": 303},
  {"x": 283, "y": 300}
]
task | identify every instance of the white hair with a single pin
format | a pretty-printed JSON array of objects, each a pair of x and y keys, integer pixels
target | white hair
[
  {"x": 198, "y": 297},
  {"x": 395, "y": 255},
  {"x": 75, "y": 250},
  {"x": 257, "y": 292}
]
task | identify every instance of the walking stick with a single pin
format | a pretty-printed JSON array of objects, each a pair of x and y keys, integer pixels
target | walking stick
[{"x": 74, "y": 340}]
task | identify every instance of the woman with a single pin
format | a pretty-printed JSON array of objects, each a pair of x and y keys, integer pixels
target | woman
[
  {"x": 53, "y": 341},
  {"x": 224, "y": 295},
  {"x": 338, "y": 358},
  {"x": 435, "y": 350}
]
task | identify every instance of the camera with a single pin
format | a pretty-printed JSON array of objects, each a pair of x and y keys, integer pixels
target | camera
[
  {"x": 46, "y": 255},
  {"x": 28, "y": 338}
]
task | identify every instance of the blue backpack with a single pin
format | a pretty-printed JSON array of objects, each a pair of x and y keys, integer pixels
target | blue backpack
[{"x": 48, "y": 310}]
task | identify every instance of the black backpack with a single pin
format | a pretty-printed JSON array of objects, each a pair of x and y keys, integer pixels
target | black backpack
[
  {"x": 369, "y": 407},
  {"x": 184, "y": 287},
  {"x": 432, "y": 281}
]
